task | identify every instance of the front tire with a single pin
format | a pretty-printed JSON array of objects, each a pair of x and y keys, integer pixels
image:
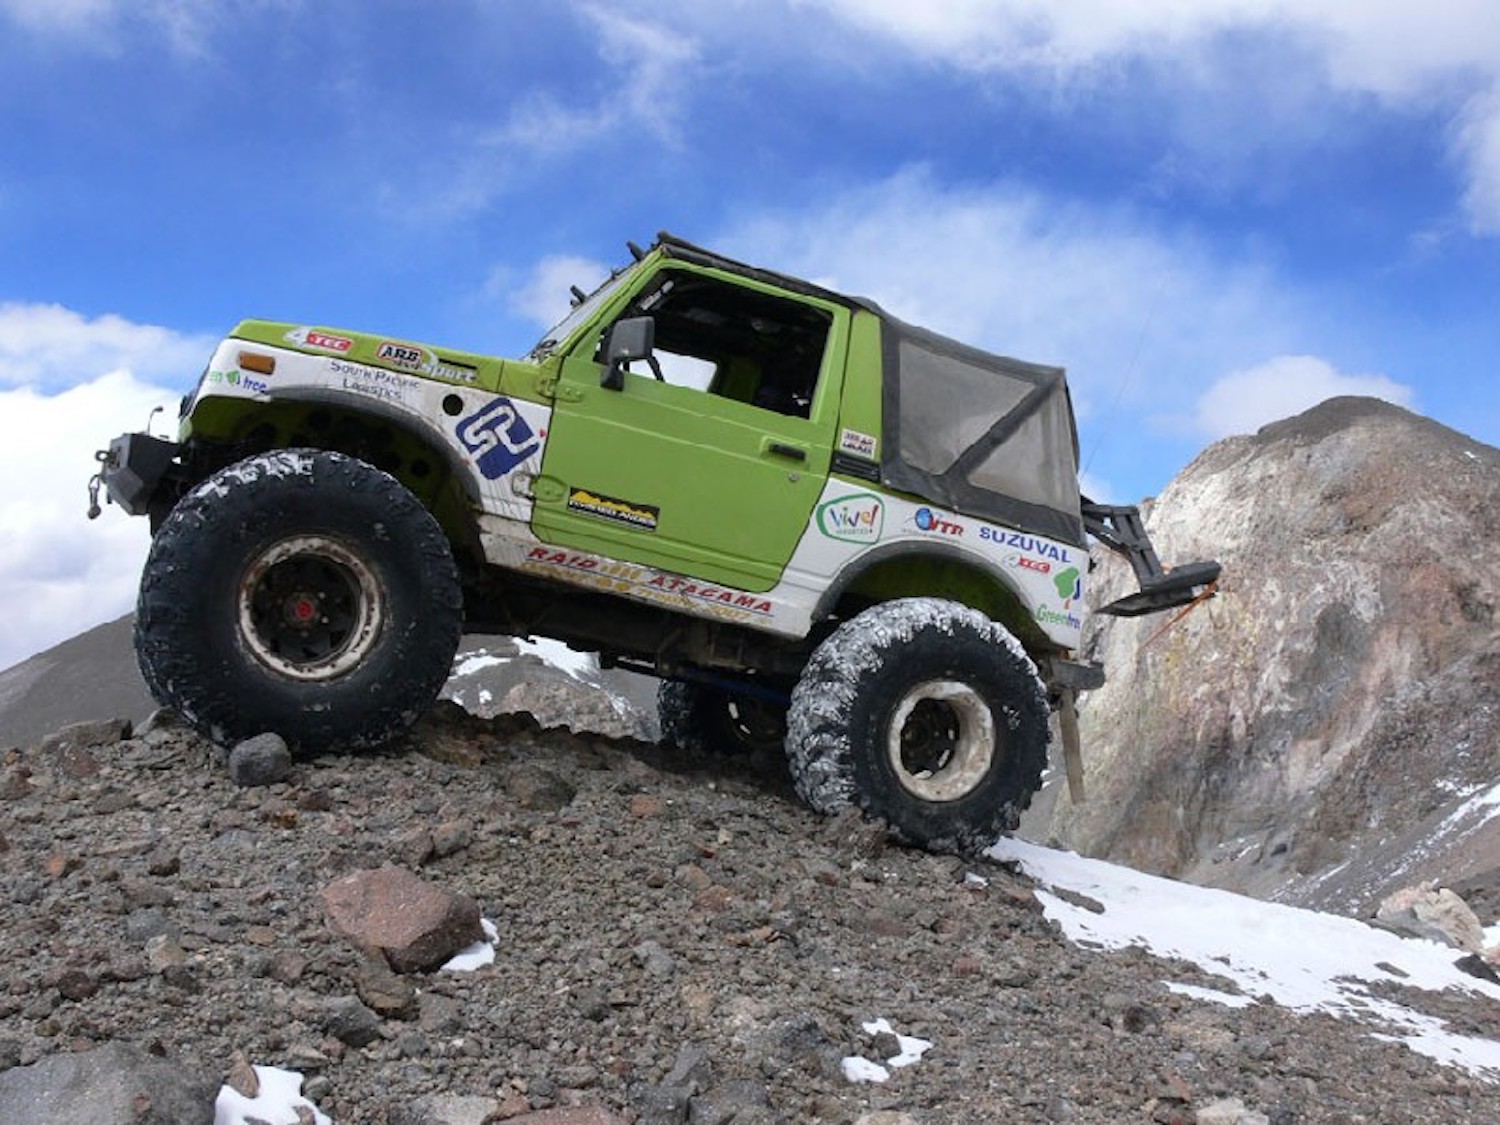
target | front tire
[
  {"x": 301, "y": 592},
  {"x": 925, "y": 714}
]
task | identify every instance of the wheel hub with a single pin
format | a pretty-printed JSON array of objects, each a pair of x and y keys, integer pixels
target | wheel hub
[
  {"x": 310, "y": 608},
  {"x": 941, "y": 742},
  {"x": 301, "y": 610}
]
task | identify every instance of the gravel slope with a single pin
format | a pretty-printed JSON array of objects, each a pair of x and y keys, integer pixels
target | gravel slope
[{"x": 679, "y": 941}]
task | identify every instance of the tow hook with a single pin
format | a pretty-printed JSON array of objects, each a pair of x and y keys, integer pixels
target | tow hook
[{"x": 105, "y": 457}]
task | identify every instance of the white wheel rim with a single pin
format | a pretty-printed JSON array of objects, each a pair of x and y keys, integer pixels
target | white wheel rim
[
  {"x": 941, "y": 740},
  {"x": 310, "y": 609}
]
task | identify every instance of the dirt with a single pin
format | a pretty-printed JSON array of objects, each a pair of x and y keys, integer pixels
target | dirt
[{"x": 679, "y": 940}]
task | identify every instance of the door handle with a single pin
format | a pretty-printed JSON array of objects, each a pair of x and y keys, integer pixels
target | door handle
[{"x": 782, "y": 449}]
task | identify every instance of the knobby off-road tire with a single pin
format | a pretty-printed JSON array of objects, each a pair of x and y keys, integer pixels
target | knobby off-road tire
[
  {"x": 705, "y": 719},
  {"x": 301, "y": 592},
  {"x": 926, "y": 714}
]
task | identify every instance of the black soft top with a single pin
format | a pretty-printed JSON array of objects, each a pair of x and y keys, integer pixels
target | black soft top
[{"x": 968, "y": 430}]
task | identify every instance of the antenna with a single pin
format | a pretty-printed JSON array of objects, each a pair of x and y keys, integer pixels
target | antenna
[{"x": 1133, "y": 368}]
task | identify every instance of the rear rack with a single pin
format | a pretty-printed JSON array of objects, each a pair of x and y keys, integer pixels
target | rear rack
[{"x": 1120, "y": 528}]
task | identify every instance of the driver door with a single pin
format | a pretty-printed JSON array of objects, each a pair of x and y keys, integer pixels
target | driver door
[{"x": 704, "y": 472}]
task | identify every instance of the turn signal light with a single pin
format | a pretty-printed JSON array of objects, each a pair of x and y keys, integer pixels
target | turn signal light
[{"x": 260, "y": 364}]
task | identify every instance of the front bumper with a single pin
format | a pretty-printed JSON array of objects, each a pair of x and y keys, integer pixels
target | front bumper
[{"x": 133, "y": 468}]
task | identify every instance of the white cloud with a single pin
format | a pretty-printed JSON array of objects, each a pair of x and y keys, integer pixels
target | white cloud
[
  {"x": 544, "y": 297},
  {"x": 59, "y": 573},
  {"x": 59, "y": 16},
  {"x": 1244, "y": 401},
  {"x": 101, "y": 25},
  {"x": 52, "y": 345},
  {"x": 1478, "y": 143},
  {"x": 1132, "y": 312},
  {"x": 1388, "y": 47},
  {"x": 1439, "y": 57},
  {"x": 653, "y": 72}
]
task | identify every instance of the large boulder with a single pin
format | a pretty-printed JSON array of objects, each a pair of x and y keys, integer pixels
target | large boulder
[
  {"x": 117, "y": 1084},
  {"x": 1325, "y": 731},
  {"x": 413, "y": 924}
]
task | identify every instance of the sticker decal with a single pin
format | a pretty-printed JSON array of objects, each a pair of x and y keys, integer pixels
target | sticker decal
[
  {"x": 931, "y": 522},
  {"x": 1049, "y": 616},
  {"x": 857, "y": 518},
  {"x": 1029, "y": 543},
  {"x": 861, "y": 445},
  {"x": 498, "y": 438},
  {"x": 371, "y": 382},
  {"x": 650, "y": 585},
  {"x": 324, "y": 341},
  {"x": 422, "y": 361},
  {"x": 237, "y": 378},
  {"x": 643, "y": 516},
  {"x": 451, "y": 369},
  {"x": 1022, "y": 562},
  {"x": 1069, "y": 585},
  {"x": 408, "y": 356}
]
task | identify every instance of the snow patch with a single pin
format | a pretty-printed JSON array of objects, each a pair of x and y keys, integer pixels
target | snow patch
[
  {"x": 579, "y": 665},
  {"x": 478, "y": 661},
  {"x": 276, "y": 1104},
  {"x": 1302, "y": 960},
  {"x": 476, "y": 956},
  {"x": 858, "y": 1069}
]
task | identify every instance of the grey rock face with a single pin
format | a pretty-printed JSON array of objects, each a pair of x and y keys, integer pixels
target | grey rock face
[{"x": 1340, "y": 699}]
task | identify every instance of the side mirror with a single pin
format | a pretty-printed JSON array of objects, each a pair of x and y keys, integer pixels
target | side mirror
[{"x": 629, "y": 339}]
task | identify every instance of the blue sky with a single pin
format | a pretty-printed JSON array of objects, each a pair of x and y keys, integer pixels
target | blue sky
[{"x": 1212, "y": 214}]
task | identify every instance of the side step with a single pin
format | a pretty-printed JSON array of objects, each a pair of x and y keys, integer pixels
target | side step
[{"x": 1120, "y": 528}]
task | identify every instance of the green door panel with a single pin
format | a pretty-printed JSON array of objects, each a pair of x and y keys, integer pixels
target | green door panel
[{"x": 683, "y": 480}]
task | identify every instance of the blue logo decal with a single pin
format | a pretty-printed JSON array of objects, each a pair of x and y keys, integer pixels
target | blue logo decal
[{"x": 498, "y": 438}]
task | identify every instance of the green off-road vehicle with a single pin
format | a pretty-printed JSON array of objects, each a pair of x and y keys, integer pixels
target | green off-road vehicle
[{"x": 818, "y": 526}]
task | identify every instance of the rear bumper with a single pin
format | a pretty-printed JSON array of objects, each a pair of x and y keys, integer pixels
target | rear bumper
[
  {"x": 1071, "y": 674},
  {"x": 134, "y": 467}
]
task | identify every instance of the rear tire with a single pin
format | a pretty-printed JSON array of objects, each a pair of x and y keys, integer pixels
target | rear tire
[
  {"x": 925, "y": 714},
  {"x": 711, "y": 720},
  {"x": 301, "y": 592}
]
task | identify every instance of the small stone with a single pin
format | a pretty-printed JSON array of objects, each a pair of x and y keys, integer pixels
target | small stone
[
  {"x": 413, "y": 847},
  {"x": 259, "y": 761},
  {"x": 538, "y": 789},
  {"x": 451, "y": 837},
  {"x": 1229, "y": 1111},
  {"x": 75, "y": 984},
  {"x": 163, "y": 862},
  {"x": 387, "y": 994},
  {"x": 242, "y": 1078},
  {"x": 349, "y": 1021},
  {"x": 58, "y": 864},
  {"x": 69, "y": 749},
  {"x": 286, "y": 966},
  {"x": 645, "y": 806},
  {"x": 15, "y": 783},
  {"x": 163, "y": 953},
  {"x": 883, "y": 925},
  {"x": 181, "y": 977}
]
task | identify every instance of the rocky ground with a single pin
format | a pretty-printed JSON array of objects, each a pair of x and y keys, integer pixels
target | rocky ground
[{"x": 678, "y": 941}]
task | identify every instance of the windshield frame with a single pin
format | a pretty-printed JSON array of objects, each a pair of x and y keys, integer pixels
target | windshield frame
[{"x": 560, "y": 333}]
